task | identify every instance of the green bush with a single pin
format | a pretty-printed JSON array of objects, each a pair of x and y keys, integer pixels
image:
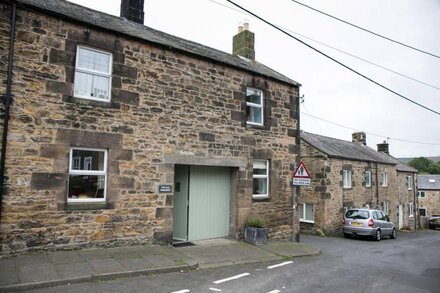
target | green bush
[{"x": 254, "y": 221}]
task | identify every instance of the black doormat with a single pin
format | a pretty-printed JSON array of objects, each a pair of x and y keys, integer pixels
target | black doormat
[{"x": 182, "y": 244}]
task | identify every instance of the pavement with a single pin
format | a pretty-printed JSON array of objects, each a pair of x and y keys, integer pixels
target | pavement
[{"x": 51, "y": 268}]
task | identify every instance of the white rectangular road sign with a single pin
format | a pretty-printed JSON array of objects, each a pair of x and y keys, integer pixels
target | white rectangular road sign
[{"x": 301, "y": 181}]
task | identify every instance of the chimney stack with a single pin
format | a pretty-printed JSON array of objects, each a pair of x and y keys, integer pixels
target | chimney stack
[
  {"x": 133, "y": 10},
  {"x": 383, "y": 147},
  {"x": 243, "y": 43},
  {"x": 359, "y": 137}
]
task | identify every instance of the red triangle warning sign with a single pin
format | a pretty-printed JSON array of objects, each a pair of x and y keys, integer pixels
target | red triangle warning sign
[{"x": 301, "y": 171}]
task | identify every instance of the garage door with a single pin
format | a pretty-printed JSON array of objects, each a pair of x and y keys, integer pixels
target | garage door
[{"x": 201, "y": 205}]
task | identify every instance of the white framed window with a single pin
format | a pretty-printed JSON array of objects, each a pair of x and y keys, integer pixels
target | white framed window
[
  {"x": 254, "y": 106},
  {"x": 384, "y": 179},
  {"x": 409, "y": 182},
  {"x": 76, "y": 163},
  {"x": 306, "y": 213},
  {"x": 87, "y": 182},
  {"x": 411, "y": 209},
  {"x": 93, "y": 70},
  {"x": 422, "y": 212},
  {"x": 367, "y": 178},
  {"x": 422, "y": 194},
  {"x": 260, "y": 179},
  {"x": 386, "y": 207},
  {"x": 346, "y": 178}
]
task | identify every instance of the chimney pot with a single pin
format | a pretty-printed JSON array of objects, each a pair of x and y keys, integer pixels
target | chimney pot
[
  {"x": 133, "y": 10},
  {"x": 246, "y": 25}
]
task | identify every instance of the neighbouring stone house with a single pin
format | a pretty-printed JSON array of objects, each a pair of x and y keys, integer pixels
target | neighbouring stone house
[
  {"x": 428, "y": 187},
  {"x": 348, "y": 174},
  {"x": 122, "y": 134},
  {"x": 406, "y": 191}
]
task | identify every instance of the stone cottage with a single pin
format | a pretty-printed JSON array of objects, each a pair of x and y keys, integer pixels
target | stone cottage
[
  {"x": 116, "y": 133},
  {"x": 347, "y": 174},
  {"x": 428, "y": 187},
  {"x": 406, "y": 191}
]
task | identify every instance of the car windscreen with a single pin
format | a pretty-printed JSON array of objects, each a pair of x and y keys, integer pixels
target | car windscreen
[{"x": 357, "y": 214}]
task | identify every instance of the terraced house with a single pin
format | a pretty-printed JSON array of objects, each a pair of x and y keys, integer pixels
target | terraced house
[
  {"x": 348, "y": 174},
  {"x": 116, "y": 133},
  {"x": 428, "y": 197}
]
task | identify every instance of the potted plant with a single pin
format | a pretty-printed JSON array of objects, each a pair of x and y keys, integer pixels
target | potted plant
[{"x": 255, "y": 231}]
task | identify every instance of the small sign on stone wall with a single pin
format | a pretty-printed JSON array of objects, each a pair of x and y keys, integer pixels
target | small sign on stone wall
[{"x": 165, "y": 188}]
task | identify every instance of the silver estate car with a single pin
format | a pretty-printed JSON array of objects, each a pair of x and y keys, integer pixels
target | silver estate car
[{"x": 368, "y": 222}]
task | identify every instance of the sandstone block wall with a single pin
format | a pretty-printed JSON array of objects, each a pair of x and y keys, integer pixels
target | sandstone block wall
[
  {"x": 431, "y": 202},
  {"x": 166, "y": 108}
]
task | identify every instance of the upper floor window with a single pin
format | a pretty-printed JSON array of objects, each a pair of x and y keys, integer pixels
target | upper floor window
[
  {"x": 260, "y": 179},
  {"x": 346, "y": 178},
  {"x": 87, "y": 175},
  {"x": 93, "y": 71},
  {"x": 409, "y": 182},
  {"x": 384, "y": 179},
  {"x": 422, "y": 194},
  {"x": 254, "y": 106},
  {"x": 367, "y": 178}
]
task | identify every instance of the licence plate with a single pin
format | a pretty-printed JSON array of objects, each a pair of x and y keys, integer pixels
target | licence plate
[{"x": 356, "y": 224}]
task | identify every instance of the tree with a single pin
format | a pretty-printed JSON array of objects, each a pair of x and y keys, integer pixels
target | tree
[{"x": 425, "y": 165}]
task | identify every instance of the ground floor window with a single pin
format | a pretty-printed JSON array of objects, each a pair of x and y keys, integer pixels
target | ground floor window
[
  {"x": 422, "y": 212},
  {"x": 386, "y": 207},
  {"x": 260, "y": 179},
  {"x": 411, "y": 209},
  {"x": 87, "y": 175},
  {"x": 306, "y": 213}
]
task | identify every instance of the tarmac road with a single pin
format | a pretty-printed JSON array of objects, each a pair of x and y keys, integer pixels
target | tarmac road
[{"x": 410, "y": 263}]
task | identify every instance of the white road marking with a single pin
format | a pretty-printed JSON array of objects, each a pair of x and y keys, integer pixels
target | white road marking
[
  {"x": 274, "y": 291},
  {"x": 280, "y": 265},
  {"x": 182, "y": 291},
  {"x": 231, "y": 278},
  {"x": 215, "y": 289}
]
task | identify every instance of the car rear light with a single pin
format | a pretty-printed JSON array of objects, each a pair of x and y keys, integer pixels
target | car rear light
[{"x": 370, "y": 223}]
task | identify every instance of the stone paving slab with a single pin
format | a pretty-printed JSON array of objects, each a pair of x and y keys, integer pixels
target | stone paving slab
[{"x": 45, "y": 269}]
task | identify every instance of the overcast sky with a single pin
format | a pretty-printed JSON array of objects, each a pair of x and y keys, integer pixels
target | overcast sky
[{"x": 330, "y": 91}]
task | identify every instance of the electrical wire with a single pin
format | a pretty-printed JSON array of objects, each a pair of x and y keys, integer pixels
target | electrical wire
[
  {"x": 366, "y": 30},
  {"x": 334, "y": 60},
  {"x": 339, "y": 50},
  {"x": 371, "y": 133}
]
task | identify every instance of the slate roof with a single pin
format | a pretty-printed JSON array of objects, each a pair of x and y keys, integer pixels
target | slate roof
[
  {"x": 423, "y": 182},
  {"x": 345, "y": 149},
  {"x": 402, "y": 167},
  {"x": 68, "y": 10}
]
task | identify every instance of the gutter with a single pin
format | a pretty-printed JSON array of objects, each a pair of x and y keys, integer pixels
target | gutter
[{"x": 7, "y": 102}]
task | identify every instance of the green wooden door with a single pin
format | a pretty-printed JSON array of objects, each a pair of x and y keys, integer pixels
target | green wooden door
[
  {"x": 180, "y": 208},
  {"x": 209, "y": 197}
]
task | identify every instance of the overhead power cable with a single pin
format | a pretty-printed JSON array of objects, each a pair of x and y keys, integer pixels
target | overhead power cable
[
  {"x": 366, "y": 30},
  {"x": 371, "y": 133},
  {"x": 339, "y": 50},
  {"x": 334, "y": 60}
]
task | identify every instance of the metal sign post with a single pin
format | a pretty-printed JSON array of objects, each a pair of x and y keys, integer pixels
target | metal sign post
[{"x": 301, "y": 177}]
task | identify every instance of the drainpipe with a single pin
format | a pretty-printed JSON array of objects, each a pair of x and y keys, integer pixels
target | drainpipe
[
  {"x": 7, "y": 102},
  {"x": 296, "y": 189},
  {"x": 416, "y": 203},
  {"x": 377, "y": 187}
]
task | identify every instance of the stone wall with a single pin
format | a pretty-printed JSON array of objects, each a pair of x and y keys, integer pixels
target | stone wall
[
  {"x": 166, "y": 108},
  {"x": 431, "y": 202},
  {"x": 330, "y": 197},
  {"x": 405, "y": 197}
]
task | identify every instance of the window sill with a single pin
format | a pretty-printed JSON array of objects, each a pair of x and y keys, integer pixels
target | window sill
[
  {"x": 73, "y": 206},
  {"x": 260, "y": 197},
  {"x": 305, "y": 221}
]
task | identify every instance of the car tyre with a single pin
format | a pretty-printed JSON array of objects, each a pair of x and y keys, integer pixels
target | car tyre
[
  {"x": 393, "y": 234},
  {"x": 378, "y": 235},
  {"x": 346, "y": 235}
]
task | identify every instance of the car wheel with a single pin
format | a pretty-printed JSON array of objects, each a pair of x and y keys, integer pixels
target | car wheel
[
  {"x": 393, "y": 234},
  {"x": 378, "y": 235},
  {"x": 346, "y": 235}
]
